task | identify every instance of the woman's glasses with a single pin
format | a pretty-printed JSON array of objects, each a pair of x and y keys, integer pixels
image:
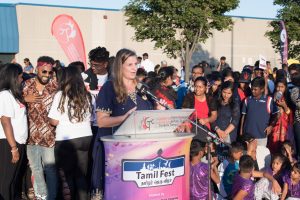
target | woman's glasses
[{"x": 47, "y": 72}]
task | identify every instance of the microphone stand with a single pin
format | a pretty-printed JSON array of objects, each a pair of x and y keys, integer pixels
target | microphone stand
[
  {"x": 209, "y": 167},
  {"x": 210, "y": 136}
]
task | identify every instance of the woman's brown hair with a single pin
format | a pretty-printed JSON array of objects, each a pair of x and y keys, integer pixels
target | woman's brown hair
[
  {"x": 117, "y": 74},
  {"x": 74, "y": 90}
]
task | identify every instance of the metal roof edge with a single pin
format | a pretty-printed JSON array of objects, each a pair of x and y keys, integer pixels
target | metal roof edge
[
  {"x": 260, "y": 18},
  {"x": 7, "y": 4},
  {"x": 61, "y": 6}
]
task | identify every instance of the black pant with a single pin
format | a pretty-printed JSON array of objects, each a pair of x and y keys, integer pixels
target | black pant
[
  {"x": 9, "y": 171},
  {"x": 24, "y": 180},
  {"x": 297, "y": 138},
  {"x": 71, "y": 156}
]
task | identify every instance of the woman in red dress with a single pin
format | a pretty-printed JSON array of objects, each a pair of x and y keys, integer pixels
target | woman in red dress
[{"x": 280, "y": 130}]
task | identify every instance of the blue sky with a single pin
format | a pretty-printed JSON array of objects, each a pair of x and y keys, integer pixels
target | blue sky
[{"x": 248, "y": 8}]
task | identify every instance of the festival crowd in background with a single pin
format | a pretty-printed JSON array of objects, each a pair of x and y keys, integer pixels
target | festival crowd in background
[{"x": 52, "y": 118}]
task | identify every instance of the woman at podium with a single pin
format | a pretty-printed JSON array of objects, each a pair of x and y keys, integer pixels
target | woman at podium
[{"x": 117, "y": 99}]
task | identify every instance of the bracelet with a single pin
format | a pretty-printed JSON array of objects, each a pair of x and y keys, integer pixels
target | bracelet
[
  {"x": 13, "y": 151},
  {"x": 14, "y": 147}
]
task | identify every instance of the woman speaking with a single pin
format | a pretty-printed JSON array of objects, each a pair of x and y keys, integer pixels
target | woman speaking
[{"x": 117, "y": 99}]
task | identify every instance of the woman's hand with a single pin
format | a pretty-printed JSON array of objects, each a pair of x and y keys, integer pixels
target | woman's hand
[
  {"x": 163, "y": 105},
  {"x": 222, "y": 134},
  {"x": 129, "y": 112},
  {"x": 203, "y": 121},
  {"x": 268, "y": 130},
  {"x": 15, "y": 155},
  {"x": 184, "y": 127},
  {"x": 33, "y": 98},
  {"x": 282, "y": 103}
]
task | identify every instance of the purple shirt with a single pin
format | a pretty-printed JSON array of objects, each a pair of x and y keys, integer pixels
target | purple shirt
[
  {"x": 241, "y": 183},
  {"x": 294, "y": 190},
  {"x": 199, "y": 181}
]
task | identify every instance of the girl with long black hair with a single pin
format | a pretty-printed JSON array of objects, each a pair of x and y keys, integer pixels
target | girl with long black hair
[
  {"x": 13, "y": 128},
  {"x": 71, "y": 113},
  {"x": 285, "y": 120},
  {"x": 228, "y": 114}
]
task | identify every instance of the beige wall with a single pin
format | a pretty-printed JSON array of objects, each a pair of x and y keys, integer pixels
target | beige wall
[{"x": 241, "y": 46}]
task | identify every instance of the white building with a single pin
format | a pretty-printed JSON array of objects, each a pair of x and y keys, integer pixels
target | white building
[{"x": 107, "y": 27}]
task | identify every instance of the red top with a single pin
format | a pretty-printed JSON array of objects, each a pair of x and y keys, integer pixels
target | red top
[
  {"x": 242, "y": 94},
  {"x": 202, "y": 110}
]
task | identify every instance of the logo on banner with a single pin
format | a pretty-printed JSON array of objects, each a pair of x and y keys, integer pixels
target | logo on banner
[
  {"x": 160, "y": 122},
  {"x": 283, "y": 43},
  {"x": 152, "y": 173},
  {"x": 283, "y": 35},
  {"x": 67, "y": 32},
  {"x": 146, "y": 123}
]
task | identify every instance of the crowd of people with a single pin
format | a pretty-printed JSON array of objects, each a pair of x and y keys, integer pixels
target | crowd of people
[{"x": 52, "y": 118}]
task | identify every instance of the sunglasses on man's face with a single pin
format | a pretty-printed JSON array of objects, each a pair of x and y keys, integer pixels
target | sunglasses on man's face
[{"x": 47, "y": 72}]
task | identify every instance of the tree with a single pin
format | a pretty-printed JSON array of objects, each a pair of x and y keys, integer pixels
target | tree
[
  {"x": 290, "y": 14},
  {"x": 178, "y": 26}
]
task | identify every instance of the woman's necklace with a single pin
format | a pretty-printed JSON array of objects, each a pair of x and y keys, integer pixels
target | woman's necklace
[
  {"x": 132, "y": 96},
  {"x": 132, "y": 92}
]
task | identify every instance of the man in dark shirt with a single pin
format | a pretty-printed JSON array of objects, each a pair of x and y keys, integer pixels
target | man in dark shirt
[
  {"x": 222, "y": 65},
  {"x": 259, "y": 113}
]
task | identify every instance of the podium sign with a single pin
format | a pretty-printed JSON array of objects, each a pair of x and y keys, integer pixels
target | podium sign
[
  {"x": 155, "y": 121},
  {"x": 146, "y": 160},
  {"x": 147, "y": 169}
]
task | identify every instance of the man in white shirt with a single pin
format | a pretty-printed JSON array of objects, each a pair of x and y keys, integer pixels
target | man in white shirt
[
  {"x": 97, "y": 75},
  {"x": 147, "y": 64}
]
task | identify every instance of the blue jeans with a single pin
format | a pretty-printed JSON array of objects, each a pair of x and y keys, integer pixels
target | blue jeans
[{"x": 41, "y": 159}]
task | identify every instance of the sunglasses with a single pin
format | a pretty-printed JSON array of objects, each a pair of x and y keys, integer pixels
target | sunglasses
[
  {"x": 47, "y": 72},
  {"x": 97, "y": 65}
]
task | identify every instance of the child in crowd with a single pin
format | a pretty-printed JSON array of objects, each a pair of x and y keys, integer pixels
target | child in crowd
[
  {"x": 229, "y": 168},
  {"x": 288, "y": 151},
  {"x": 278, "y": 170},
  {"x": 243, "y": 187},
  {"x": 259, "y": 113},
  {"x": 199, "y": 171},
  {"x": 291, "y": 188}
]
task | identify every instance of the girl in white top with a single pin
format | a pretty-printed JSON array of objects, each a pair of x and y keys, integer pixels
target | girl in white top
[
  {"x": 13, "y": 128},
  {"x": 70, "y": 113}
]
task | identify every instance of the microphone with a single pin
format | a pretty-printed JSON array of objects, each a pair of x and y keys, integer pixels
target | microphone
[
  {"x": 144, "y": 89},
  {"x": 278, "y": 96}
]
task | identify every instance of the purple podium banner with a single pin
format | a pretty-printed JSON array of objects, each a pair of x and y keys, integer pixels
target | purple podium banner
[{"x": 146, "y": 168}]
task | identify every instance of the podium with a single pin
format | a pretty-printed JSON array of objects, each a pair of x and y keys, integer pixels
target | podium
[{"x": 146, "y": 160}]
